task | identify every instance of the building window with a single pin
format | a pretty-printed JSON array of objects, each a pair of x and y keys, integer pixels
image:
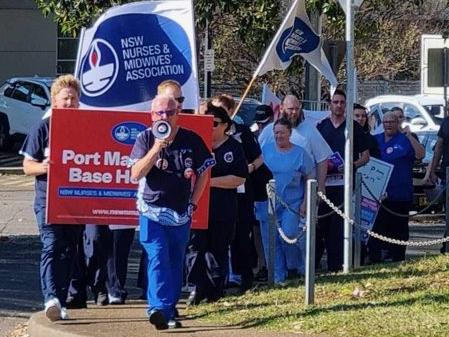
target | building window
[{"x": 66, "y": 53}]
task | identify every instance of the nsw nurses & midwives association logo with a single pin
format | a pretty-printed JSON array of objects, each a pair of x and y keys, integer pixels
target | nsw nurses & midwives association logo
[
  {"x": 99, "y": 68},
  {"x": 297, "y": 39}
]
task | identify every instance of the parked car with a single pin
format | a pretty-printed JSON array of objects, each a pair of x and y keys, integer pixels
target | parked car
[
  {"x": 424, "y": 193},
  {"x": 434, "y": 104},
  {"x": 23, "y": 102},
  {"x": 416, "y": 115},
  {"x": 247, "y": 111}
]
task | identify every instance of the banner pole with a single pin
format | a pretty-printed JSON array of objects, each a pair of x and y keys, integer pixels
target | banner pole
[{"x": 244, "y": 96}]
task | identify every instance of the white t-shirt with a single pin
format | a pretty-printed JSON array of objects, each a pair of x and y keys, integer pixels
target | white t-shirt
[{"x": 305, "y": 135}]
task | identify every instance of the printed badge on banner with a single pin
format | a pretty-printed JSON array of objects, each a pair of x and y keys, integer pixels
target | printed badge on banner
[
  {"x": 335, "y": 177},
  {"x": 134, "y": 47}
]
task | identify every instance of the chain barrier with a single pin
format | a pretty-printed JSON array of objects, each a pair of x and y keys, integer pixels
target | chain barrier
[
  {"x": 432, "y": 203},
  {"x": 379, "y": 236},
  {"x": 302, "y": 227},
  {"x": 322, "y": 216}
]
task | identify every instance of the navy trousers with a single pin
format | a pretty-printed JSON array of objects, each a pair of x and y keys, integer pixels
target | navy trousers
[
  {"x": 207, "y": 259},
  {"x": 329, "y": 232},
  {"x": 107, "y": 253},
  {"x": 57, "y": 256}
]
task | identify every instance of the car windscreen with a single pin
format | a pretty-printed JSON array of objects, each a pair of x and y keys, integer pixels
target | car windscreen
[
  {"x": 436, "y": 112},
  {"x": 247, "y": 112}
]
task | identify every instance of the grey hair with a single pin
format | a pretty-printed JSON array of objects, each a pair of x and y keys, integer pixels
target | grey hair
[
  {"x": 159, "y": 98},
  {"x": 391, "y": 114}
]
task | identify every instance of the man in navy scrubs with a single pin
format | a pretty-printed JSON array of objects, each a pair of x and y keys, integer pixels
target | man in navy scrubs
[{"x": 171, "y": 174}]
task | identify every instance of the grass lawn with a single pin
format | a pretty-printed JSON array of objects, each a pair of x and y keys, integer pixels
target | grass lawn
[{"x": 407, "y": 299}]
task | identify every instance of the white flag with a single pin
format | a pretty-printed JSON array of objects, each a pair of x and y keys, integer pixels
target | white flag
[
  {"x": 269, "y": 98},
  {"x": 132, "y": 48},
  {"x": 296, "y": 37},
  {"x": 356, "y": 3}
]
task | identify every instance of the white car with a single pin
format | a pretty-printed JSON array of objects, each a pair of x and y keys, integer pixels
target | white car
[
  {"x": 422, "y": 113},
  {"x": 23, "y": 102}
]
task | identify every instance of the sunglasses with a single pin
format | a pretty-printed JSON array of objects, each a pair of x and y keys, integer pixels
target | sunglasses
[
  {"x": 180, "y": 99},
  {"x": 167, "y": 112},
  {"x": 216, "y": 123}
]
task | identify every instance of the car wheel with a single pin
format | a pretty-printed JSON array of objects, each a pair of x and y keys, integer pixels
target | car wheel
[{"x": 4, "y": 135}]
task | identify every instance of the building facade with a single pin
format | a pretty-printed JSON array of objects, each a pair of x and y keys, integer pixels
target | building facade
[{"x": 31, "y": 43}]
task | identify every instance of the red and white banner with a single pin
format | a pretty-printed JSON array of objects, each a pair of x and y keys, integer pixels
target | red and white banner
[{"x": 89, "y": 181}]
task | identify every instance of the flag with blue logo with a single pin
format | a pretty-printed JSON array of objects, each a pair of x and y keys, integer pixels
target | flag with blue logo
[
  {"x": 131, "y": 49},
  {"x": 296, "y": 37}
]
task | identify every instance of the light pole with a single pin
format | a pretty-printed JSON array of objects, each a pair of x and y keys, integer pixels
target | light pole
[{"x": 445, "y": 77}]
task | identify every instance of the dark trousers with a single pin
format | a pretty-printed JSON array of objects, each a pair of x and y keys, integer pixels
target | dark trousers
[
  {"x": 207, "y": 258},
  {"x": 392, "y": 226},
  {"x": 329, "y": 231},
  {"x": 107, "y": 253},
  {"x": 242, "y": 247},
  {"x": 57, "y": 256},
  {"x": 78, "y": 283}
]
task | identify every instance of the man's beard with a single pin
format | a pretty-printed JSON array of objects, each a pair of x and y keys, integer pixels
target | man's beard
[{"x": 294, "y": 120}]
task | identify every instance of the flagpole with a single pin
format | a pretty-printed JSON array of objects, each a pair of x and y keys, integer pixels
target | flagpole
[
  {"x": 347, "y": 258},
  {"x": 244, "y": 96},
  {"x": 265, "y": 56}
]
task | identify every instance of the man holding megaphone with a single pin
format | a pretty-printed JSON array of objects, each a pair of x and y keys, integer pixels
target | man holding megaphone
[{"x": 164, "y": 159}]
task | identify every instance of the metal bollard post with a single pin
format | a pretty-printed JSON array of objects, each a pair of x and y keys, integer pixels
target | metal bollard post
[
  {"x": 271, "y": 230},
  {"x": 357, "y": 218},
  {"x": 446, "y": 210},
  {"x": 312, "y": 215}
]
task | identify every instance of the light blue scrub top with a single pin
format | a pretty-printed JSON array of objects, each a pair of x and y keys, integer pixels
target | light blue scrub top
[{"x": 289, "y": 170}]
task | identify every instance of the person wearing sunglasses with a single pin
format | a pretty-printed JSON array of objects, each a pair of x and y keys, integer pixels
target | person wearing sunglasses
[
  {"x": 207, "y": 254},
  {"x": 405, "y": 129},
  {"x": 242, "y": 248},
  {"x": 392, "y": 219},
  {"x": 166, "y": 199}
]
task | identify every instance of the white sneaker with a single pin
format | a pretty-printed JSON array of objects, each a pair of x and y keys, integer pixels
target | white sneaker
[
  {"x": 53, "y": 309},
  {"x": 115, "y": 299},
  {"x": 64, "y": 313}
]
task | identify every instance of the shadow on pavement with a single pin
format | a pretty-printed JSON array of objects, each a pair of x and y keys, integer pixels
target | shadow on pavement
[{"x": 20, "y": 293}]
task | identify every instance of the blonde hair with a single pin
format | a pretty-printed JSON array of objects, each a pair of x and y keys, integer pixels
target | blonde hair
[
  {"x": 167, "y": 83},
  {"x": 65, "y": 81}
]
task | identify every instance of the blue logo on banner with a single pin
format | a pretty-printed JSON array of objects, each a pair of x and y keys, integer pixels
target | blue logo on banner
[
  {"x": 126, "y": 133},
  {"x": 129, "y": 56},
  {"x": 298, "y": 39}
]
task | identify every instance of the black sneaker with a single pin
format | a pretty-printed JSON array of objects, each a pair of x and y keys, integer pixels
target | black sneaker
[
  {"x": 73, "y": 303},
  {"x": 101, "y": 299},
  {"x": 195, "y": 298},
  {"x": 174, "y": 324},
  {"x": 246, "y": 283},
  {"x": 157, "y": 318},
  {"x": 262, "y": 275}
]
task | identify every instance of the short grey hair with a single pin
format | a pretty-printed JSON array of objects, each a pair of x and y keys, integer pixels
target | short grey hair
[
  {"x": 392, "y": 115},
  {"x": 159, "y": 98}
]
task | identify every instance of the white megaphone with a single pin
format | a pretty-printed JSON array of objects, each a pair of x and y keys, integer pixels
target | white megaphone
[{"x": 161, "y": 129}]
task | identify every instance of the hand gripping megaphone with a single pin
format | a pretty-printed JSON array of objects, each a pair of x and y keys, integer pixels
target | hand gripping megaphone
[{"x": 161, "y": 129}]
